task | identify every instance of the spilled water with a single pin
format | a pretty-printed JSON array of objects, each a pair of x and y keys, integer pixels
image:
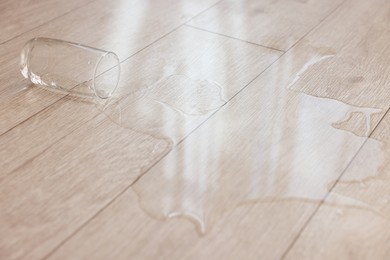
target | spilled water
[
  {"x": 367, "y": 179},
  {"x": 162, "y": 107},
  {"x": 282, "y": 164},
  {"x": 277, "y": 146}
]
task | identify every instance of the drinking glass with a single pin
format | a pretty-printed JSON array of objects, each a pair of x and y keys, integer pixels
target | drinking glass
[{"x": 70, "y": 68}]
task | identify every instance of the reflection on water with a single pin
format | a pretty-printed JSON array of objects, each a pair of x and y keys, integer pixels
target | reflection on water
[
  {"x": 289, "y": 140},
  {"x": 188, "y": 96},
  {"x": 358, "y": 74},
  {"x": 368, "y": 178},
  {"x": 339, "y": 77},
  {"x": 290, "y": 146},
  {"x": 167, "y": 103},
  {"x": 203, "y": 183}
]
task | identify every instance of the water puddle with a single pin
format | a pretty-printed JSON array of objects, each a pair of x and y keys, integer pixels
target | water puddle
[
  {"x": 368, "y": 176},
  {"x": 276, "y": 168},
  {"x": 201, "y": 182},
  {"x": 168, "y": 104},
  {"x": 188, "y": 96},
  {"x": 359, "y": 77},
  {"x": 203, "y": 190}
]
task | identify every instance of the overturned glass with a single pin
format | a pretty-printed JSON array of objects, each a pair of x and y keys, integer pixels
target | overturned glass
[{"x": 70, "y": 68}]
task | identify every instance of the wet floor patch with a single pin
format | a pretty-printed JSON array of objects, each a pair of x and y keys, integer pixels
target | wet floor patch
[
  {"x": 368, "y": 177},
  {"x": 203, "y": 190},
  {"x": 166, "y": 104},
  {"x": 204, "y": 194},
  {"x": 363, "y": 83},
  {"x": 359, "y": 80},
  {"x": 338, "y": 77}
]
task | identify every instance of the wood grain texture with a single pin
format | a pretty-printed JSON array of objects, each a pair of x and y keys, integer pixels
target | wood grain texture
[
  {"x": 276, "y": 24},
  {"x": 213, "y": 147},
  {"x": 245, "y": 197},
  {"x": 357, "y": 229},
  {"x": 253, "y": 195},
  {"x": 73, "y": 161},
  {"x": 18, "y": 17},
  {"x": 138, "y": 236},
  {"x": 351, "y": 64},
  {"x": 63, "y": 182},
  {"x": 354, "y": 219}
]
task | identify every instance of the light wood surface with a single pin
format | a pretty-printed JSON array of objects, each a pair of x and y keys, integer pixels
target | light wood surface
[
  {"x": 239, "y": 130},
  {"x": 18, "y": 17},
  {"x": 216, "y": 179},
  {"x": 60, "y": 125},
  {"x": 358, "y": 231},
  {"x": 276, "y": 24}
]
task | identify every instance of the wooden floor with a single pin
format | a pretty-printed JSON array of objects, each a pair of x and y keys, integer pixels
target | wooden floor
[{"x": 244, "y": 129}]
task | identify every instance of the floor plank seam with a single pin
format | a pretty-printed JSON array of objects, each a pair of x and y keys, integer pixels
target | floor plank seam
[
  {"x": 171, "y": 31},
  {"x": 317, "y": 25},
  {"x": 33, "y": 115},
  {"x": 288, "y": 249},
  {"x": 211, "y": 116},
  {"x": 146, "y": 171},
  {"x": 124, "y": 190},
  {"x": 230, "y": 37},
  {"x": 48, "y": 21},
  {"x": 58, "y": 100},
  {"x": 132, "y": 55},
  {"x": 49, "y": 146},
  {"x": 120, "y": 193},
  {"x": 330, "y": 191}
]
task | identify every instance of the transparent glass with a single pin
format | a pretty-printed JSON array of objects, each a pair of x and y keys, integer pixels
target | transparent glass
[{"x": 70, "y": 67}]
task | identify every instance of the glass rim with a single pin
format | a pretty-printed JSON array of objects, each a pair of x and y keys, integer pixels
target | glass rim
[{"x": 117, "y": 76}]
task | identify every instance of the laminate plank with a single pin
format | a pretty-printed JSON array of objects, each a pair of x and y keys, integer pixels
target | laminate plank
[
  {"x": 127, "y": 232},
  {"x": 351, "y": 64},
  {"x": 276, "y": 24},
  {"x": 41, "y": 201},
  {"x": 73, "y": 153},
  {"x": 125, "y": 27},
  {"x": 247, "y": 180},
  {"x": 352, "y": 222},
  {"x": 18, "y": 17},
  {"x": 357, "y": 230},
  {"x": 242, "y": 185}
]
